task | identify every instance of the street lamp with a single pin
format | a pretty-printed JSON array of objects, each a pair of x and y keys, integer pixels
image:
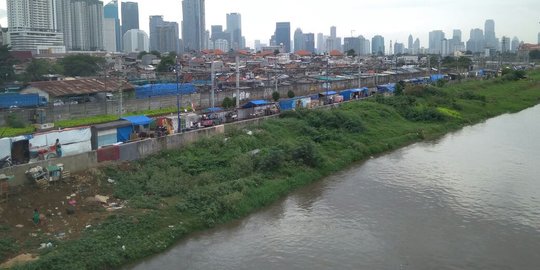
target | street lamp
[
  {"x": 327, "y": 79},
  {"x": 177, "y": 70}
]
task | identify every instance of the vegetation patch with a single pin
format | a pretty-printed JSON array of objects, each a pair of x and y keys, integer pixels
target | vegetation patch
[{"x": 228, "y": 176}]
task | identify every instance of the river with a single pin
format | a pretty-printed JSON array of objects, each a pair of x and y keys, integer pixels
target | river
[{"x": 470, "y": 200}]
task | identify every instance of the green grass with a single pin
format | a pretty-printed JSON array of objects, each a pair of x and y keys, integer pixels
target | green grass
[{"x": 225, "y": 177}]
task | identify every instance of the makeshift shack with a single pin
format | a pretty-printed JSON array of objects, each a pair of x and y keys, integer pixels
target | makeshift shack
[
  {"x": 109, "y": 133},
  {"x": 140, "y": 128},
  {"x": 73, "y": 140},
  {"x": 256, "y": 108},
  {"x": 388, "y": 88}
]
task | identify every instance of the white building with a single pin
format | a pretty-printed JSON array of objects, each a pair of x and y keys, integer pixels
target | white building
[
  {"x": 109, "y": 34},
  {"x": 135, "y": 40},
  {"x": 221, "y": 44},
  {"x": 32, "y": 26}
]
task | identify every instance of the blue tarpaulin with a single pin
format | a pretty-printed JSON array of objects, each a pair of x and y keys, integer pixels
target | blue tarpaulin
[
  {"x": 287, "y": 104},
  {"x": 389, "y": 87},
  {"x": 256, "y": 103},
  {"x": 163, "y": 89},
  {"x": 436, "y": 77},
  {"x": 328, "y": 93},
  {"x": 123, "y": 133},
  {"x": 138, "y": 120},
  {"x": 213, "y": 110}
]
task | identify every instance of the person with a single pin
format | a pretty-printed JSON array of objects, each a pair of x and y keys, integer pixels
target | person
[
  {"x": 36, "y": 217},
  {"x": 58, "y": 148}
]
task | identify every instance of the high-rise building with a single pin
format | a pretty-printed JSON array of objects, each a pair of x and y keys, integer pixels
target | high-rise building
[
  {"x": 435, "y": 41},
  {"x": 135, "y": 40},
  {"x": 110, "y": 11},
  {"x": 515, "y": 45},
  {"x": 399, "y": 48},
  {"x": 193, "y": 25},
  {"x": 320, "y": 43},
  {"x": 163, "y": 35},
  {"x": 333, "y": 32},
  {"x": 538, "y": 37},
  {"x": 109, "y": 35},
  {"x": 234, "y": 28},
  {"x": 505, "y": 44},
  {"x": 410, "y": 43},
  {"x": 455, "y": 44},
  {"x": 283, "y": 35},
  {"x": 222, "y": 44},
  {"x": 364, "y": 46},
  {"x": 309, "y": 41},
  {"x": 130, "y": 16},
  {"x": 352, "y": 43},
  {"x": 491, "y": 41},
  {"x": 86, "y": 25},
  {"x": 33, "y": 26},
  {"x": 475, "y": 43},
  {"x": 377, "y": 45},
  {"x": 299, "y": 42},
  {"x": 416, "y": 45}
]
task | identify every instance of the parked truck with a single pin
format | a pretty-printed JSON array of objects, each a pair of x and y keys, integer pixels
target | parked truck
[{"x": 14, "y": 100}]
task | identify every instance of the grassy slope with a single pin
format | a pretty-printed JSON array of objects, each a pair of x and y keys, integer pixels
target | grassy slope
[{"x": 219, "y": 179}]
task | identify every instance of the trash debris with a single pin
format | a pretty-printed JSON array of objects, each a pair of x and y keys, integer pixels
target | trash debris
[
  {"x": 254, "y": 152},
  {"x": 171, "y": 226},
  {"x": 61, "y": 235},
  {"x": 47, "y": 245},
  {"x": 88, "y": 226},
  {"x": 118, "y": 237},
  {"x": 111, "y": 181},
  {"x": 72, "y": 202},
  {"x": 102, "y": 199},
  {"x": 33, "y": 234},
  {"x": 19, "y": 226},
  {"x": 124, "y": 247}
]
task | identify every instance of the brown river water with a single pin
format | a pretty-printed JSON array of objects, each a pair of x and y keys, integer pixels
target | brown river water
[{"x": 470, "y": 200}]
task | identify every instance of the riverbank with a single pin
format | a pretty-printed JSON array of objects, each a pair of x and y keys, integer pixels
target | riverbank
[{"x": 225, "y": 177}]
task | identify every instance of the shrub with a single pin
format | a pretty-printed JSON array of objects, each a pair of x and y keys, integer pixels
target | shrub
[
  {"x": 290, "y": 94},
  {"x": 275, "y": 96}
]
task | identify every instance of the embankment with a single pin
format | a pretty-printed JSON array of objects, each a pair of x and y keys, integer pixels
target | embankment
[{"x": 227, "y": 176}]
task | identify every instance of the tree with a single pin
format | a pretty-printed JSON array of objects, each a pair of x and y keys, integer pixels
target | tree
[
  {"x": 400, "y": 86},
  {"x": 351, "y": 52},
  {"x": 39, "y": 67},
  {"x": 227, "y": 103},
  {"x": 275, "y": 96},
  {"x": 290, "y": 94},
  {"x": 6, "y": 64},
  {"x": 141, "y": 54},
  {"x": 82, "y": 65},
  {"x": 166, "y": 63},
  {"x": 276, "y": 52}
]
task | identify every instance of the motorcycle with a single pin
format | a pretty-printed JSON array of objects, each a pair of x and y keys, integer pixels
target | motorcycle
[{"x": 5, "y": 162}]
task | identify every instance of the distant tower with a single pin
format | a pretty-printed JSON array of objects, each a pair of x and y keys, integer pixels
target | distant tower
[
  {"x": 410, "y": 43},
  {"x": 130, "y": 16},
  {"x": 391, "y": 52},
  {"x": 193, "y": 25}
]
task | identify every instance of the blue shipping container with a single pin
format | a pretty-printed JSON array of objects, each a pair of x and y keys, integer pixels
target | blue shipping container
[{"x": 21, "y": 100}]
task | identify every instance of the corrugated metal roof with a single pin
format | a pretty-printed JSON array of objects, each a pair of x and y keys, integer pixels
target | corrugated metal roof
[{"x": 81, "y": 86}]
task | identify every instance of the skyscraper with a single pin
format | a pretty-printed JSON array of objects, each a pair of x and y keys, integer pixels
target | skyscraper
[
  {"x": 81, "y": 21},
  {"x": 163, "y": 35},
  {"x": 309, "y": 40},
  {"x": 475, "y": 43},
  {"x": 299, "y": 42},
  {"x": 505, "y": 44},
  {"x": 377, "y": 45},
  {"x": 33, "y": 26},
  {"x": 110, "y": 11},
  {"x": 283, "y": 35},
  {"x": 135, "y": 40},
  {"x": 234, "y": 28},
  {"x": 416, "y": 45},
  {"x": 399, "y": 48},
  {"x": 333, "y": 32},
  {"x": 410, "y": 44},
  {"x": 320, "y": 42},
  {"x": 109, "y": 35},
  {"x": 491, "y": 41},
  {"x": 364, "y": 46},
  {"x": 538, "y": 37},
  {"x": 130, "y": 16},
  {"x": 193, "y": 25},
  {"x": 436, "y": 38},
  {"x": 352, "y": 43},
  {"x": 515, "y": 44}
]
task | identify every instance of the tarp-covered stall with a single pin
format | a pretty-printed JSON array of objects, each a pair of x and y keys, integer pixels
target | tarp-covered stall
[
  {"x": 139, "y": 123},
  {"x": 74, "y": 141},
  {"x": 386, "y": 88},
  {"x": 108, "y": 133},
  {"x": 256, "y": 108}
]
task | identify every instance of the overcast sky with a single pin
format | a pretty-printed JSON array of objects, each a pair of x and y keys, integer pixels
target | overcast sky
[{"x": 394, "y": 19}]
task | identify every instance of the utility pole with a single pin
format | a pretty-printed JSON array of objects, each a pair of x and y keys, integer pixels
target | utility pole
[
  {"x": 359, "y": 74},
  {"x": 212, "y": 101},
  {"x": 237, "y": 81},
  {"x": 178, "y": 102}
]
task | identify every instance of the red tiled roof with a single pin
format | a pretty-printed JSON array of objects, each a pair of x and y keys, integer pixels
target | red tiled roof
[
  {"x": 336, "y": 53},
  {"x": 303, "y": 53}
]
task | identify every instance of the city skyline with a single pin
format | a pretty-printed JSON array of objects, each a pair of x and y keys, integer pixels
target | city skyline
[{"x": 517, "y": 18}]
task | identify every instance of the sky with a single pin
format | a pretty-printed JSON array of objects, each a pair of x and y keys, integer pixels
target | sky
[{"x": 393, "y": 19}]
